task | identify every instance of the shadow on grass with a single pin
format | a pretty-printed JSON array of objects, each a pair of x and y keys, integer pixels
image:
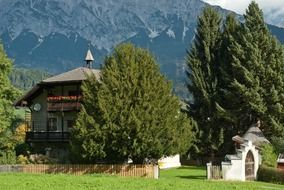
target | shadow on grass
[
  {"x": 191, "y": 168},
  {"x": 196, "y": 177}
]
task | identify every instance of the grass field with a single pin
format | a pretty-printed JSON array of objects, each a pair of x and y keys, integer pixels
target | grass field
[{"x": 188, "y": 178}]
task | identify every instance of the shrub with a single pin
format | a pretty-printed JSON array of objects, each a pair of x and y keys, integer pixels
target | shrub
[
  {"x": 21, "y": 159},
  {"x": 269, "y": 155},
  {"x": 8, "y": 157},
  {"x": 269, "y": 174},
  {"x": 40, "y": 159}
]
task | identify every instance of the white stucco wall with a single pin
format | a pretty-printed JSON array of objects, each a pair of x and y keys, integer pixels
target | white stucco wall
[
  {"x": 232, "y": 170},
  {"x": 235, "y": 169},
  {"x": 169, "y": 162}
]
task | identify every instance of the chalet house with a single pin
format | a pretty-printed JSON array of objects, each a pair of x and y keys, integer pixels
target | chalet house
[{"x": 53, "y": 105}]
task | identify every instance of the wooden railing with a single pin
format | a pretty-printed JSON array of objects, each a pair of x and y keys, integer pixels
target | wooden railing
[
  {"x": 63, "y": 106},
  {"x": 131, "y": 170},
  {"x": 63, "y": 103},
  {"x": 47, "y": 136}
]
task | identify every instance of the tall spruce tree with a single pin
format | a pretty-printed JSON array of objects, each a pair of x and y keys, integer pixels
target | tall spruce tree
[
  {"x": 202, "y": 61},
  {"x": 130, "y": 112},
  {"x": 230, "y": 31},
  {"x": 256, "y": 61}
]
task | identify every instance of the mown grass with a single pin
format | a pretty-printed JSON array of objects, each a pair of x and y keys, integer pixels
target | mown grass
[{"x": 189, "y": 178}]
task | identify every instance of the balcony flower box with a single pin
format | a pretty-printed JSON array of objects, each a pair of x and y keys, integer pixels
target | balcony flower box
[{"x": 64, "y": 98}]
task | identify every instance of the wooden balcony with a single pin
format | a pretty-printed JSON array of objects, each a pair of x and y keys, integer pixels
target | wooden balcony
[
  {"x": 47, "y": 136},
  {"x": 63, "y": 103},
  {"x": 63, "y": 106}
]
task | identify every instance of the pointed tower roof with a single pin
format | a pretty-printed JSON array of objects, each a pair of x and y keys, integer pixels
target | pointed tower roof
[{"x": 89, "y": 56}]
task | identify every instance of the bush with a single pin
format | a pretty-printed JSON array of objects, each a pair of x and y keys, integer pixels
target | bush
[
  {"x": 21, "y": 159},
  {"x": 269, "y": 174},
  {"x": 40, "y": 159},
  {"x": 269, "y": 155},
  {"x": 8, "y": 157}
]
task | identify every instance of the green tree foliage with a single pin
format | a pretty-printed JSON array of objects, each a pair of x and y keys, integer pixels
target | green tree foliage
[
  {"x": 278, "y": 143},
  {"x": 202, "y": 61},
  {"x": 7, "y": 95},
  {"x": 130, "y": 112},
  {"x": 254, "y": 79},
  {"x": 25, "y": 79},
  {"x": 236, "y": 78},
  {"x": 230, "y": 31},
  {"x": 269, "y": 155}
]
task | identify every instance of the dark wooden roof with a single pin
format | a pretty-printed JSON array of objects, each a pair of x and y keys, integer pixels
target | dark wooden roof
[{"x": 74, "y": 76}]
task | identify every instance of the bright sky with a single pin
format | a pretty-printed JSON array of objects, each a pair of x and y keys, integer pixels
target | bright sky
[
  {"x": 273, "y": 9},
  {"x": 240, "y": 5}
]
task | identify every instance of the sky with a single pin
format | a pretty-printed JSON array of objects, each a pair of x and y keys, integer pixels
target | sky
[
  {"x": 273, "y": 9},
  {"x": 239, "y": 6}
]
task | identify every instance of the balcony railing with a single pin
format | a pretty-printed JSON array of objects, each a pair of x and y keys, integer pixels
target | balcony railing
[
  {"x": 47, "y": 136},
  {"x": 63, "y": 103},
  {"x": 63, "y": 106}
]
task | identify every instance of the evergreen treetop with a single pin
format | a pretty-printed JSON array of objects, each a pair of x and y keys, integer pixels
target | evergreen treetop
[
  {"x": 202, "y": 62},
  {"x": 130, "y": 112}
]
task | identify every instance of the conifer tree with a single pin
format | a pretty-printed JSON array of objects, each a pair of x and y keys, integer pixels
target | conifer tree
[
  {"x": 130, "y": 112},
  {"x": 256, "y": 59},
  {"x": 202, "y": 61},
  {"x": 229, "y": 34}
]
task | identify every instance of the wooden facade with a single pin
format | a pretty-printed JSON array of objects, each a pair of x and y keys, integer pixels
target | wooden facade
[{"x": 59, "y": 105}]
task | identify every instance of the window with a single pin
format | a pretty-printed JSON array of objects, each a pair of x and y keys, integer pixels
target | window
[{"x": 52, "y": 124}]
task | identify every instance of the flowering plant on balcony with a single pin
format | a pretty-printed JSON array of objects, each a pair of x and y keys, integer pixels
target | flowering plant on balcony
[{"x": 63, "y": 98}]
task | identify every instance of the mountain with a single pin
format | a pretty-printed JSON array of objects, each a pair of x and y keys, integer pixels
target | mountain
[{"x": 54, "y": 34}]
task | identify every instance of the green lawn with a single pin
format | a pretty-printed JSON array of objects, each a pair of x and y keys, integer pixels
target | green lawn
[{"x": 182, "y": 178}]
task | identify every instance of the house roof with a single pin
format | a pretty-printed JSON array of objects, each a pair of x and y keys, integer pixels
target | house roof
[
  {"x": 29, "y": 95},
  {"x": 78, "y": 74},
  {"x": 253, "y": 134},
  {"x": 75, "y": 75}
]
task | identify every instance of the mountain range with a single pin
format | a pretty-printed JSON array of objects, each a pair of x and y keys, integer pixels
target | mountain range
[{"x": 53, "y": 35}]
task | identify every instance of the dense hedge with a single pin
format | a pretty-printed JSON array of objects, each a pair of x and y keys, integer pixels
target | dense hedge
[{"x": 272, "y": 175}]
